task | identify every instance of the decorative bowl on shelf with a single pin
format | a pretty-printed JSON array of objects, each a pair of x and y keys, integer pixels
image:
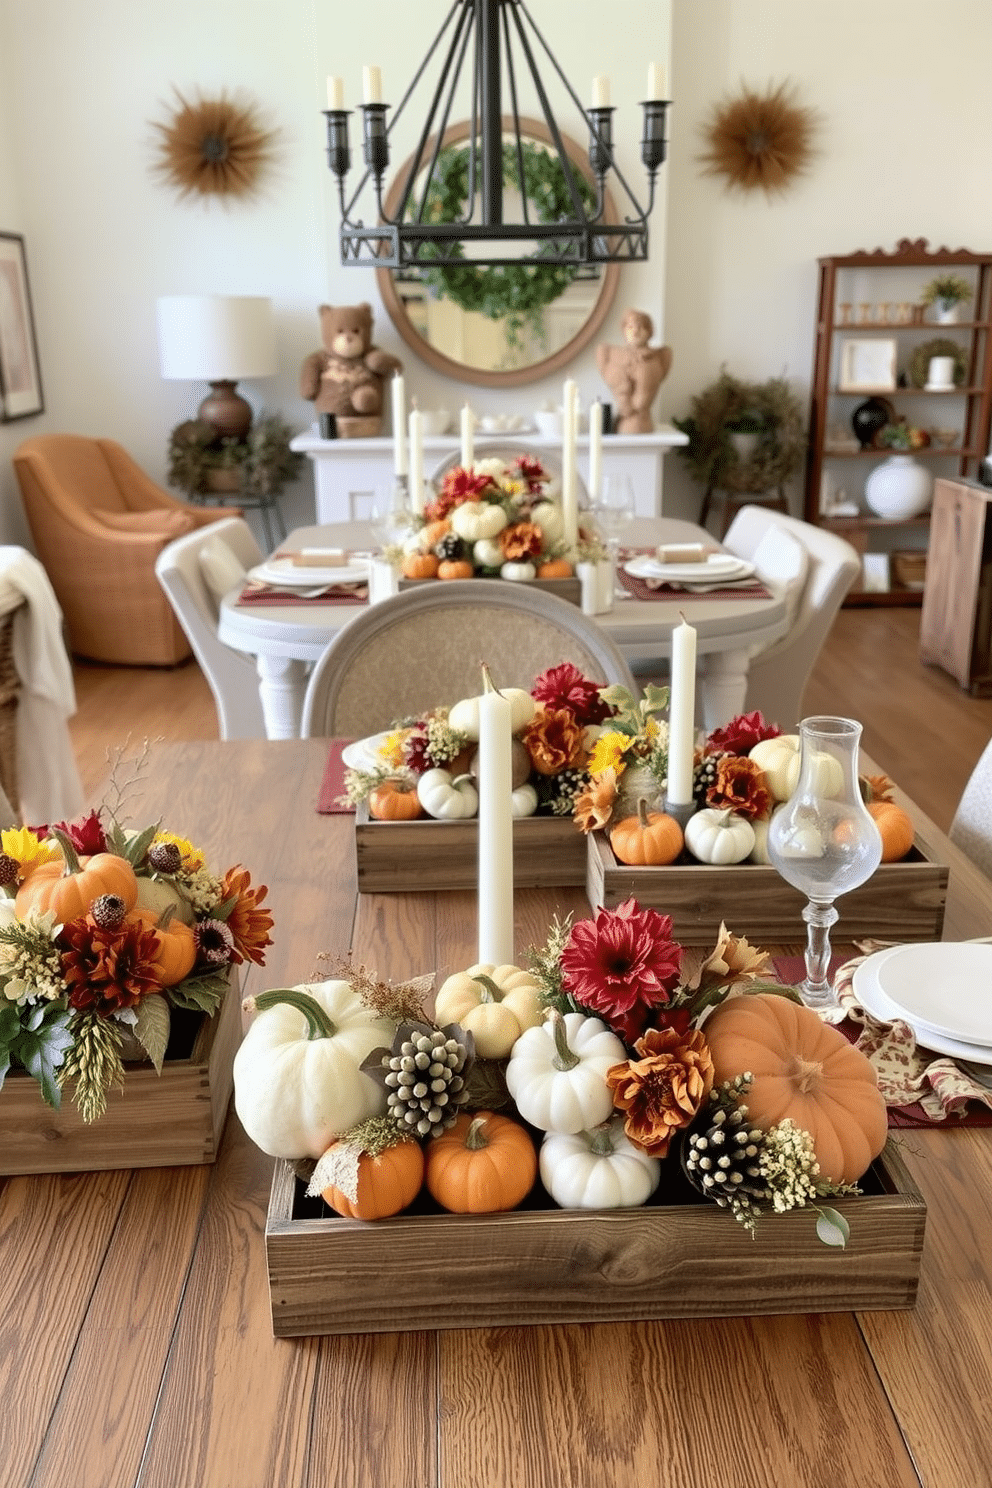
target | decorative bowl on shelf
[
  {"x": 549, "y": 422},
  {"x": 435, "y": 421}
]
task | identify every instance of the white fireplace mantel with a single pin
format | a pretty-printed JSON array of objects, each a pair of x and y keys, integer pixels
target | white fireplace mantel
[{"x": 348, "y": 473}]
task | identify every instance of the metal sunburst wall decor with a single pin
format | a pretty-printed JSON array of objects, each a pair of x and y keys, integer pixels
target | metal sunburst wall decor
[
  {"x": 213, "y": 146},
  {"x": 760, "y": 141}
]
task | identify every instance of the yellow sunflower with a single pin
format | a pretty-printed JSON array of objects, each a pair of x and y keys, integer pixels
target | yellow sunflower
[
  {"x": 391, "y": 748},
  {"x": 27, "y": 849},
  {"x": 607, "y": 753},
  {"x": 192, "y": 857}
]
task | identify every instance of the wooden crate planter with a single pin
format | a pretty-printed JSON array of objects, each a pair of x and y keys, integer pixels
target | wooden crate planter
[
  {"x": 170, "y": 1120},
  {"x": 567, "y": 589},
  {"x": 901, "y": 901},
  {"x": 396, "y": 857},
  {"x": 681, "y": 1257}
]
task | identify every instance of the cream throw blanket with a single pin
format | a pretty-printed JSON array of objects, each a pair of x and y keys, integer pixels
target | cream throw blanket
[{"x": 48, "y": 778}]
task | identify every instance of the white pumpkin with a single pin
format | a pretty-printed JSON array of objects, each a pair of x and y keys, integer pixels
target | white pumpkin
[
  {"x": 779, "y": 759},
  {"x": 759, "y": 852},
  {"x": 473, "y": 520},
  {"x": 557, "y": 1072},
  {"x": 493, "y": 1003},
  {"x": 716, "y": 835},
  {"x": 548, "y": 516},
  {"x": 297, "y": 1077},
  {"x": 158, "y": 895},
  {"x": 446, "y": 797},
  {"x": 598, "y": 1169},
  {"x": 487, "y": 553},
  {"x": 464, "y": 716},
  {"x": 523, "y": 801},
  {"x": 520, "y": 572}
]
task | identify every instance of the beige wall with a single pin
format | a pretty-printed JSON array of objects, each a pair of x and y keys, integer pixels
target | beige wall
[{"x": 902, "y": 94}]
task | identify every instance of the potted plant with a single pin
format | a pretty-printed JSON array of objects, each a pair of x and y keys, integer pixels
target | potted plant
[
  {"x": 260, "y": 465},
  {"x": 766, "y": 416},
  {"x": 744, "y": 430},
  {"x": 945, "y": 294}
]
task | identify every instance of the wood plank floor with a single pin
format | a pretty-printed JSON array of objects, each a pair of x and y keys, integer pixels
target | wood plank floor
[{"x": 917, "y": 720}]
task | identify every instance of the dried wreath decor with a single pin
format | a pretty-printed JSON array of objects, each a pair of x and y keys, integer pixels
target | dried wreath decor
[
  {"x": 105, "y": 930},
  {"x": 759, "y": 141},
  {"x": 213, "y": 146}
]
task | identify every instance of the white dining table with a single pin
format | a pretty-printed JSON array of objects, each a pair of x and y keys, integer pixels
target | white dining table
[{"x": 286, "y": 639}]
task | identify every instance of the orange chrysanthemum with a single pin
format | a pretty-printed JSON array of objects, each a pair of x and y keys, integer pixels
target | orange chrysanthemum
[
  {"x": 594, "y": 805},
  {"x": 740, "y": 786},
  {"x": 554, "y": 741},
  {"x": 521, "y": 541},
  {"x": 107, "y": 970},
  {"x": 661, "y": 1092},
  {"x": 249, "y": 925}
]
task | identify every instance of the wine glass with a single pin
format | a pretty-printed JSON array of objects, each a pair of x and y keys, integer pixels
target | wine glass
[
  {"x": 824, "y": 843},
  {"x": 389, "y": 517},
  {"x": 614, "y": 512}
]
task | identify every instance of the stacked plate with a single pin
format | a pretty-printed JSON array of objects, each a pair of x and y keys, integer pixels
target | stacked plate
[
  {"x": 715, "y": 570},
  {"x": 289, "y": 575},
  {"x": 942, "y": 989}
]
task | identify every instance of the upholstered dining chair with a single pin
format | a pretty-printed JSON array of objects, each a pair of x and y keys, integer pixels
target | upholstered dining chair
[
  {"x": 971, "y": 828},
  {"x": 423, "y": 648},
  {"x": 816, "y": 568},
  {"x": 195, "y": 572},
  {"x": 98, "y": 524}
]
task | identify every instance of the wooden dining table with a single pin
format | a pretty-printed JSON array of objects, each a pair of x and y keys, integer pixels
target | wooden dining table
[
  {"x": 286, "y": 639},
  {"x": 137, "y": 1342}
]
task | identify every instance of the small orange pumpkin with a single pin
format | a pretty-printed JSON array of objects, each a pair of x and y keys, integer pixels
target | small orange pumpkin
[
  {"x": 420, "y": 566},
  {"x": 647, "y": 840},
  {"x": 434, "y": 531},
  {"x": 176, "y": 955},
  {"x": 555, "y": 568},
  {"x": 395, "y": 800},
  {"x": 806, "y": 1070},
  {"x": 895, "y": 827},
  {"x": 387, "y": 1183},
  {"x": 455, "y": 568},
  {"x": 69, "y": 885},
  {"x": 482, "y": 1164}
]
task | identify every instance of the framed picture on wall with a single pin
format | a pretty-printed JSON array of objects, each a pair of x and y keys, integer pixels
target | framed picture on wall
[
  {"x": 867, "y": 366},
  {"x": 20, "y": 379}
]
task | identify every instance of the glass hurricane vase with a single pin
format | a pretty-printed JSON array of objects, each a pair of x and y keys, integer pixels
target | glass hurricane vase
[{"x": 824, "y": 843}]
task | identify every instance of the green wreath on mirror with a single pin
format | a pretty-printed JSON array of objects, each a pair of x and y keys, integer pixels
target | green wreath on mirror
[{"x": 513, "y": 293}]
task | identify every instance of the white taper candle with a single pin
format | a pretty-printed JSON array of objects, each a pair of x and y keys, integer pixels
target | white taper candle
[
  {"x": 569, "y": 488},
  {"x": 681, "y": 715},
  {"x": 468, "y": 437},
  {"x": 416, "y": 478},
  {"x": 595, "y": 450},
  {"x": 495, "y": 830},
  {"x": 398, "y": 391},
  {"x": 335, "y": 93},
  {"x": 372, "y": 84},
  {"x": 656, "y": 80}
]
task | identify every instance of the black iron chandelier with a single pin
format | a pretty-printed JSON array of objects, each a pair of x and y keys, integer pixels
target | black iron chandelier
[{"x": 504, "y": 41}]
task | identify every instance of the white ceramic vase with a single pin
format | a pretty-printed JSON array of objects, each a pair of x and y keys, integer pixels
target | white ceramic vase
[
  {"x": 899, "y": 488},
  {"x": 946, "y": 312}
]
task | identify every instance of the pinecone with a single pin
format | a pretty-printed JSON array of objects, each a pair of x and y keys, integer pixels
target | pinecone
[
  {"x": 556, "y": 793},
  {"x": 165, "y": 857},
  {"x": 425, "y": 1075},
  {"x": 449, "y": 547},
  {"x": 720, "y": 1160},
  {"x": 108, "y": 911},
  {"x": 703, "y": 776},
  {"x": 9, "y": 869}
]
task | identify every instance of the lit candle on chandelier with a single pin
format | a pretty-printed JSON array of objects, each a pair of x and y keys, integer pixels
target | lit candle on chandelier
[{"x": 495, "y": 783}]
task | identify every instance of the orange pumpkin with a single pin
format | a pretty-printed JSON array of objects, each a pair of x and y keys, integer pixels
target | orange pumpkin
[
  {"x": 387, "y": 1183},
  {"x": 434, "y": 531},
  {"x": 176, "y": 954},
  {"x": 395, "y": 800},
  {"x": 420, "y": 566},
  {"x": 895, "y": 827},
  {"x": 649, "y": 839},
  {"x": 482, "y": 1164},
  {"x": 455, "y": 568},
  {"x": 806, "y": 1070},
  {"x": 69, "y": 887},
  {"x": 555, "y": 568}
]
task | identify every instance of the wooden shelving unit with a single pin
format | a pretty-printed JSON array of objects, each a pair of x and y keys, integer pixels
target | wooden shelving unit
[{"x": 863, "y": 282}]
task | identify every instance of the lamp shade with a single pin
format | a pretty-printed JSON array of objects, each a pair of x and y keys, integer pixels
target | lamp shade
[{"x": 215, "y": 337}]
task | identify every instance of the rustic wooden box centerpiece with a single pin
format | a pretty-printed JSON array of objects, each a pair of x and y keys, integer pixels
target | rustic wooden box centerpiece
[
  {"x": 567, "y": 589},
  {"x": 170, "y": 1120},
  {"x": 901, "y": 901},
  {"x": 395, "y": 857},
  {"x": 679, "y": 1256}
]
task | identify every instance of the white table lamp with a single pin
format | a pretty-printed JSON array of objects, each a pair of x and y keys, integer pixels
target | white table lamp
[{"x": 219, "y": 339}]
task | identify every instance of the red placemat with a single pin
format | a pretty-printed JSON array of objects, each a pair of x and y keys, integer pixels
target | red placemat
[
  {"x": 256, "y": 594},
  {"x": 791, "y": 969},
  {"x": 332, "y": 784}
]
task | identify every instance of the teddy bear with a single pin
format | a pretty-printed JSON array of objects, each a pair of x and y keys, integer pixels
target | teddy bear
[
  {"x": 634, "y": 372},
  {"x": 345, "y": 378}
]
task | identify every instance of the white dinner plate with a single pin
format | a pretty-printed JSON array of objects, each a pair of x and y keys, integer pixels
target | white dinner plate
[
  {"x": 363, "y": 754},
  {"x": 869, "y": 992},
  {"x": 945, "y": 987},
  {"x": 717, "y": 568},
  {"x": 300, "y": 576}
]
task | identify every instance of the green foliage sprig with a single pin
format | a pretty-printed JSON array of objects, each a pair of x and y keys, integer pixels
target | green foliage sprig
[
  {"x": 513, "y": 293},
  {"x": 950, "y": 288},
  {"x": 264, "y": 458}
]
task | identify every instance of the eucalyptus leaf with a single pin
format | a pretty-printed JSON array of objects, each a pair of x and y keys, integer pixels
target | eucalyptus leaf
[
  {"x": 151, "y": 1028},
  {"x": 832, "y": 1228}
]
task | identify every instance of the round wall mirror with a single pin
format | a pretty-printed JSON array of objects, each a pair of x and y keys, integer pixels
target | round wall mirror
[{"x": 463, "y": 342}]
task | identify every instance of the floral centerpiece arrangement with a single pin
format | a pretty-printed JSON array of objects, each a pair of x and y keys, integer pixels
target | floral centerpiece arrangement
[
  {"x": 104, "y": 933},
  {"x": 608, "y": 1069},
  {"x": 497, "y": 519}
]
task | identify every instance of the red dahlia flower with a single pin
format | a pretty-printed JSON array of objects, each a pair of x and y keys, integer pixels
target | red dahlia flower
[
  {"x": 86, "y": 834},
  {"x": 741, "y": 734},
  {"x": 622, "y": 966},
  {"x": 565, "y": 687}
]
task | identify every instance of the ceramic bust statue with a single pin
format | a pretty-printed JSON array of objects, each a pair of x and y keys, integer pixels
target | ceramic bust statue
[{"x": 633, "y": 373}]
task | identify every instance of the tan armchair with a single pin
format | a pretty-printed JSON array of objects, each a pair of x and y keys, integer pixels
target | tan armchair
[{"x": 98, "y": 524}]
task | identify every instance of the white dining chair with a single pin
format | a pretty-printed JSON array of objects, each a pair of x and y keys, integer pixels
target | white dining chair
[
  {"x": 196, "y": 571},
  {"x": 971, "y": 828},
  {"x": 816, "y": 569},
  {"x": 424, "y": 647}
]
